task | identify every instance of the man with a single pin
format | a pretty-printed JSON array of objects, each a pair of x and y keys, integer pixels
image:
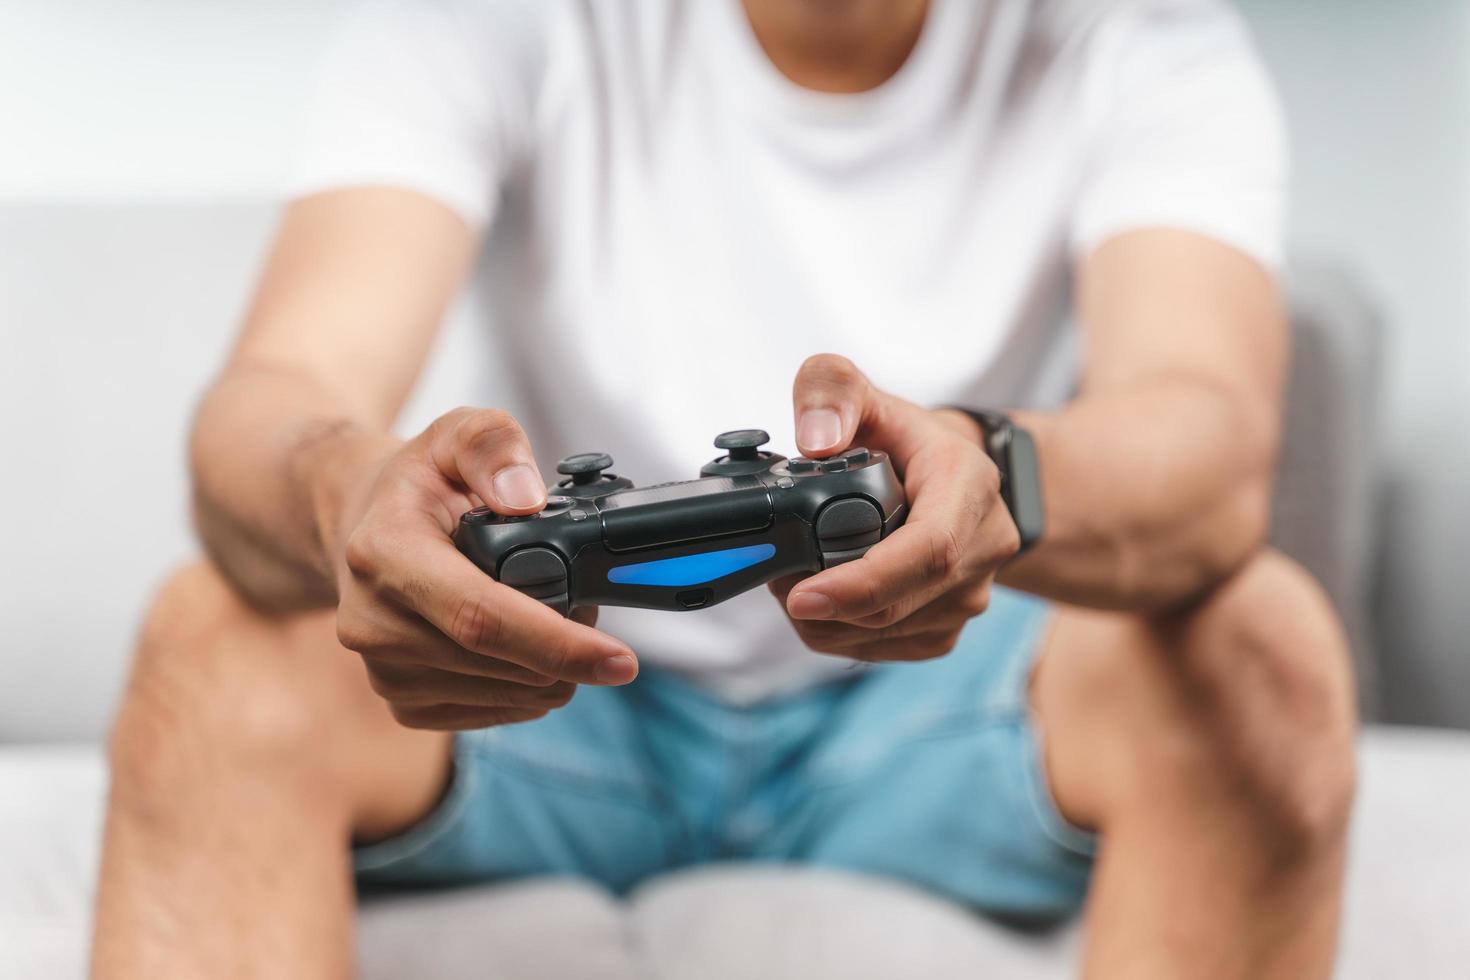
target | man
[{"x": 685, "y": 200}]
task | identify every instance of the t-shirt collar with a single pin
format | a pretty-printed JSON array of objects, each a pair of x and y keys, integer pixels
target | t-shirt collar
[{"x": 912, "y": 89}]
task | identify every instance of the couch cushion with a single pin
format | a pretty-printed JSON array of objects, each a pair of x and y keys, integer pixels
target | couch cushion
[
  {"x": 1408, "y": 905},
  {"x": 1408, "y": 899},
  {"x": 543, "y": 927},
  {"x": 51, "y": 808},
  {"x": 747, "y": 921}
]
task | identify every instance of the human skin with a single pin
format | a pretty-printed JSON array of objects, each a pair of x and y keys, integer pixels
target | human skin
[{"x": 1193, "y": 690}]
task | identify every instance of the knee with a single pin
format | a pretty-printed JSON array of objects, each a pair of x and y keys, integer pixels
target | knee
[
  {"x": 209, "y": 692},
  {"x": 1265, "y": 665}
]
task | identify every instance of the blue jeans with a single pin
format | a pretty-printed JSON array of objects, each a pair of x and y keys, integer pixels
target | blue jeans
[{"x": 927, "y": 772}]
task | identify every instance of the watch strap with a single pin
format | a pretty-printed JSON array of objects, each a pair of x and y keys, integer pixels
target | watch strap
[{"x": 1013, "y": 451}]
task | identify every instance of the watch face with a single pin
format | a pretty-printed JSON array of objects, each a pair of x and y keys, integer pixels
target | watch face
[
  {"x": 998, "y": 440},
  {"x": 1013, "y": 451},
  {"x": 1023, "y": 483}
]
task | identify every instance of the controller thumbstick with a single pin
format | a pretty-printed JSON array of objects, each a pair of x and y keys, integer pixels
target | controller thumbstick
[
  {"x": 584, "y": 468},
  {"x": 744, "y": 456},
  {"x": 742, "y": 444}
]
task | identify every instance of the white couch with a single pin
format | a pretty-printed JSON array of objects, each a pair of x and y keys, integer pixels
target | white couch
[
  {"x": 112, "y": 319},
  {"x": 1408, "y": 908}
]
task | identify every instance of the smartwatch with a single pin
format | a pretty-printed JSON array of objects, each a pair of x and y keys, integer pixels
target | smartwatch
[{"x": 1013, "y": 452}]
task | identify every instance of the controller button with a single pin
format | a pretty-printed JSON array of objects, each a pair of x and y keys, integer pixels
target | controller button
[
  {"x": 834, "y": 465},
  {"x": 577, "y": 515},
  {"x": 538, "y": 572},
  {"x": 846, "y": 529},
  {"x": 480, "y": 515},
  {"x": 847, "y": 517},
  {"x": 557, "y": 502},
  {"x": 831, "y": 559},
  {"x": 785, "y": 482},
  {"x": 857, "y": 457},
  {"x": 800, "y": 464}
]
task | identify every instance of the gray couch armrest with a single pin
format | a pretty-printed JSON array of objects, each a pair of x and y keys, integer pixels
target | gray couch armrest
[{"x": 1323, "y": 513}]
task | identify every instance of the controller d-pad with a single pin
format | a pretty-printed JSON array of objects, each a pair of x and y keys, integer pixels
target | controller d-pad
[
  {"x": 846, "y": 529},
  {"x": 539, "y": 573}
]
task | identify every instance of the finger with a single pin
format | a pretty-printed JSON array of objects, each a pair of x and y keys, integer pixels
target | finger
[
  {"x": 830, "y": 396},
  {"x": 950, "y": 611},
  {"x": 923, "y": 564},
  {"x": 455, "y": 659},
  {"x": 781, "y": 587},
  {"x": 459, "y": 718},
  {"x": 836, "y": 405},
  {"x": 417, "y": 644},
  {"x": 486, "y": 451},
  {"x": 926, "y": 646},
  {"x": 383, "y": 633},
  {"x": 412, "y": 686},
  {"x": 957, "y": 525},
  {"x": 481, "y": 615},
  {"x": 958, "y": 606},
  {"x": 912, "y": 566}
]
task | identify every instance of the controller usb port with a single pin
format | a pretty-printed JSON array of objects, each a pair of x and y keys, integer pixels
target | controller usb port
[{"x": 694, "y": 598}]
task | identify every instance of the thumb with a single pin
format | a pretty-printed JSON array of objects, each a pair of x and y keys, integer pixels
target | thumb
[
  {"x": 486, "y": 452},
  {"x": 832, "y": 398}
]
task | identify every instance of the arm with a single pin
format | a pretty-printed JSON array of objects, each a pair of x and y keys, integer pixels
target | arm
[
  {"x": 1157, "y": 477},
  {"x": 343, "y": 317},
  {"x": 304, "y": 498}
]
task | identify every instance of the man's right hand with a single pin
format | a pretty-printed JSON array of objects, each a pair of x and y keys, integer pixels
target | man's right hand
[{"x": 447, "y": 646}]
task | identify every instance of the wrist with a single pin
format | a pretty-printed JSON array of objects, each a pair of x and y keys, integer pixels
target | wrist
[
  {"x": 961, "y": 423},
  {"x": 1013, "y": 451},
  {"x": 335, "y": 463}
]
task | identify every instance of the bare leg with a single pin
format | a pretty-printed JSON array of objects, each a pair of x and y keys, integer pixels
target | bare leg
[
  {"x": 247, "y": 753},
  {"x": 1214, "y": 751}
]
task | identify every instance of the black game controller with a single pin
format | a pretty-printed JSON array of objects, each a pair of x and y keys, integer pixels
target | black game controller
[{"x": 752, "y": 517}]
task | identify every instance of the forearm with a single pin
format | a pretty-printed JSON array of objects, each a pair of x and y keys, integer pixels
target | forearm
[
  {"x": 1152, "y": 494},
  {"x": 274, "y": 458}
]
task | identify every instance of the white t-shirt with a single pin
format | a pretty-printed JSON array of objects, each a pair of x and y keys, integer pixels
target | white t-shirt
[{"x": 674, "y": 225}]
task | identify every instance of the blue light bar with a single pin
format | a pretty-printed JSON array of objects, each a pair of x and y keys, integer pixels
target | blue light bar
[{"x": 691, "y": 569}]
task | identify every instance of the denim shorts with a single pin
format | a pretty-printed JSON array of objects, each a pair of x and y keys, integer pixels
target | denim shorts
[{"x": 926, "y": 772}]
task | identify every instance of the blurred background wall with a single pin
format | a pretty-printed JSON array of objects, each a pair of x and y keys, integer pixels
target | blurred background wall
[
  {"x": 1378, "y": 96},
  {"x": 112, "y": 106}
]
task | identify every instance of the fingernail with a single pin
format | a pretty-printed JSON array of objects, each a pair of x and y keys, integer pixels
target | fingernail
[
  {"x": 818, "y": 429},
  {"x": 811, "y": 605},
  {"x": 518, "y": 486},
  {"x": 616, "y": 670}
]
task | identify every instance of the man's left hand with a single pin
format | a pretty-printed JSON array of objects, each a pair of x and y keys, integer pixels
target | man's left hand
[{"x": 912, "y": 593}]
